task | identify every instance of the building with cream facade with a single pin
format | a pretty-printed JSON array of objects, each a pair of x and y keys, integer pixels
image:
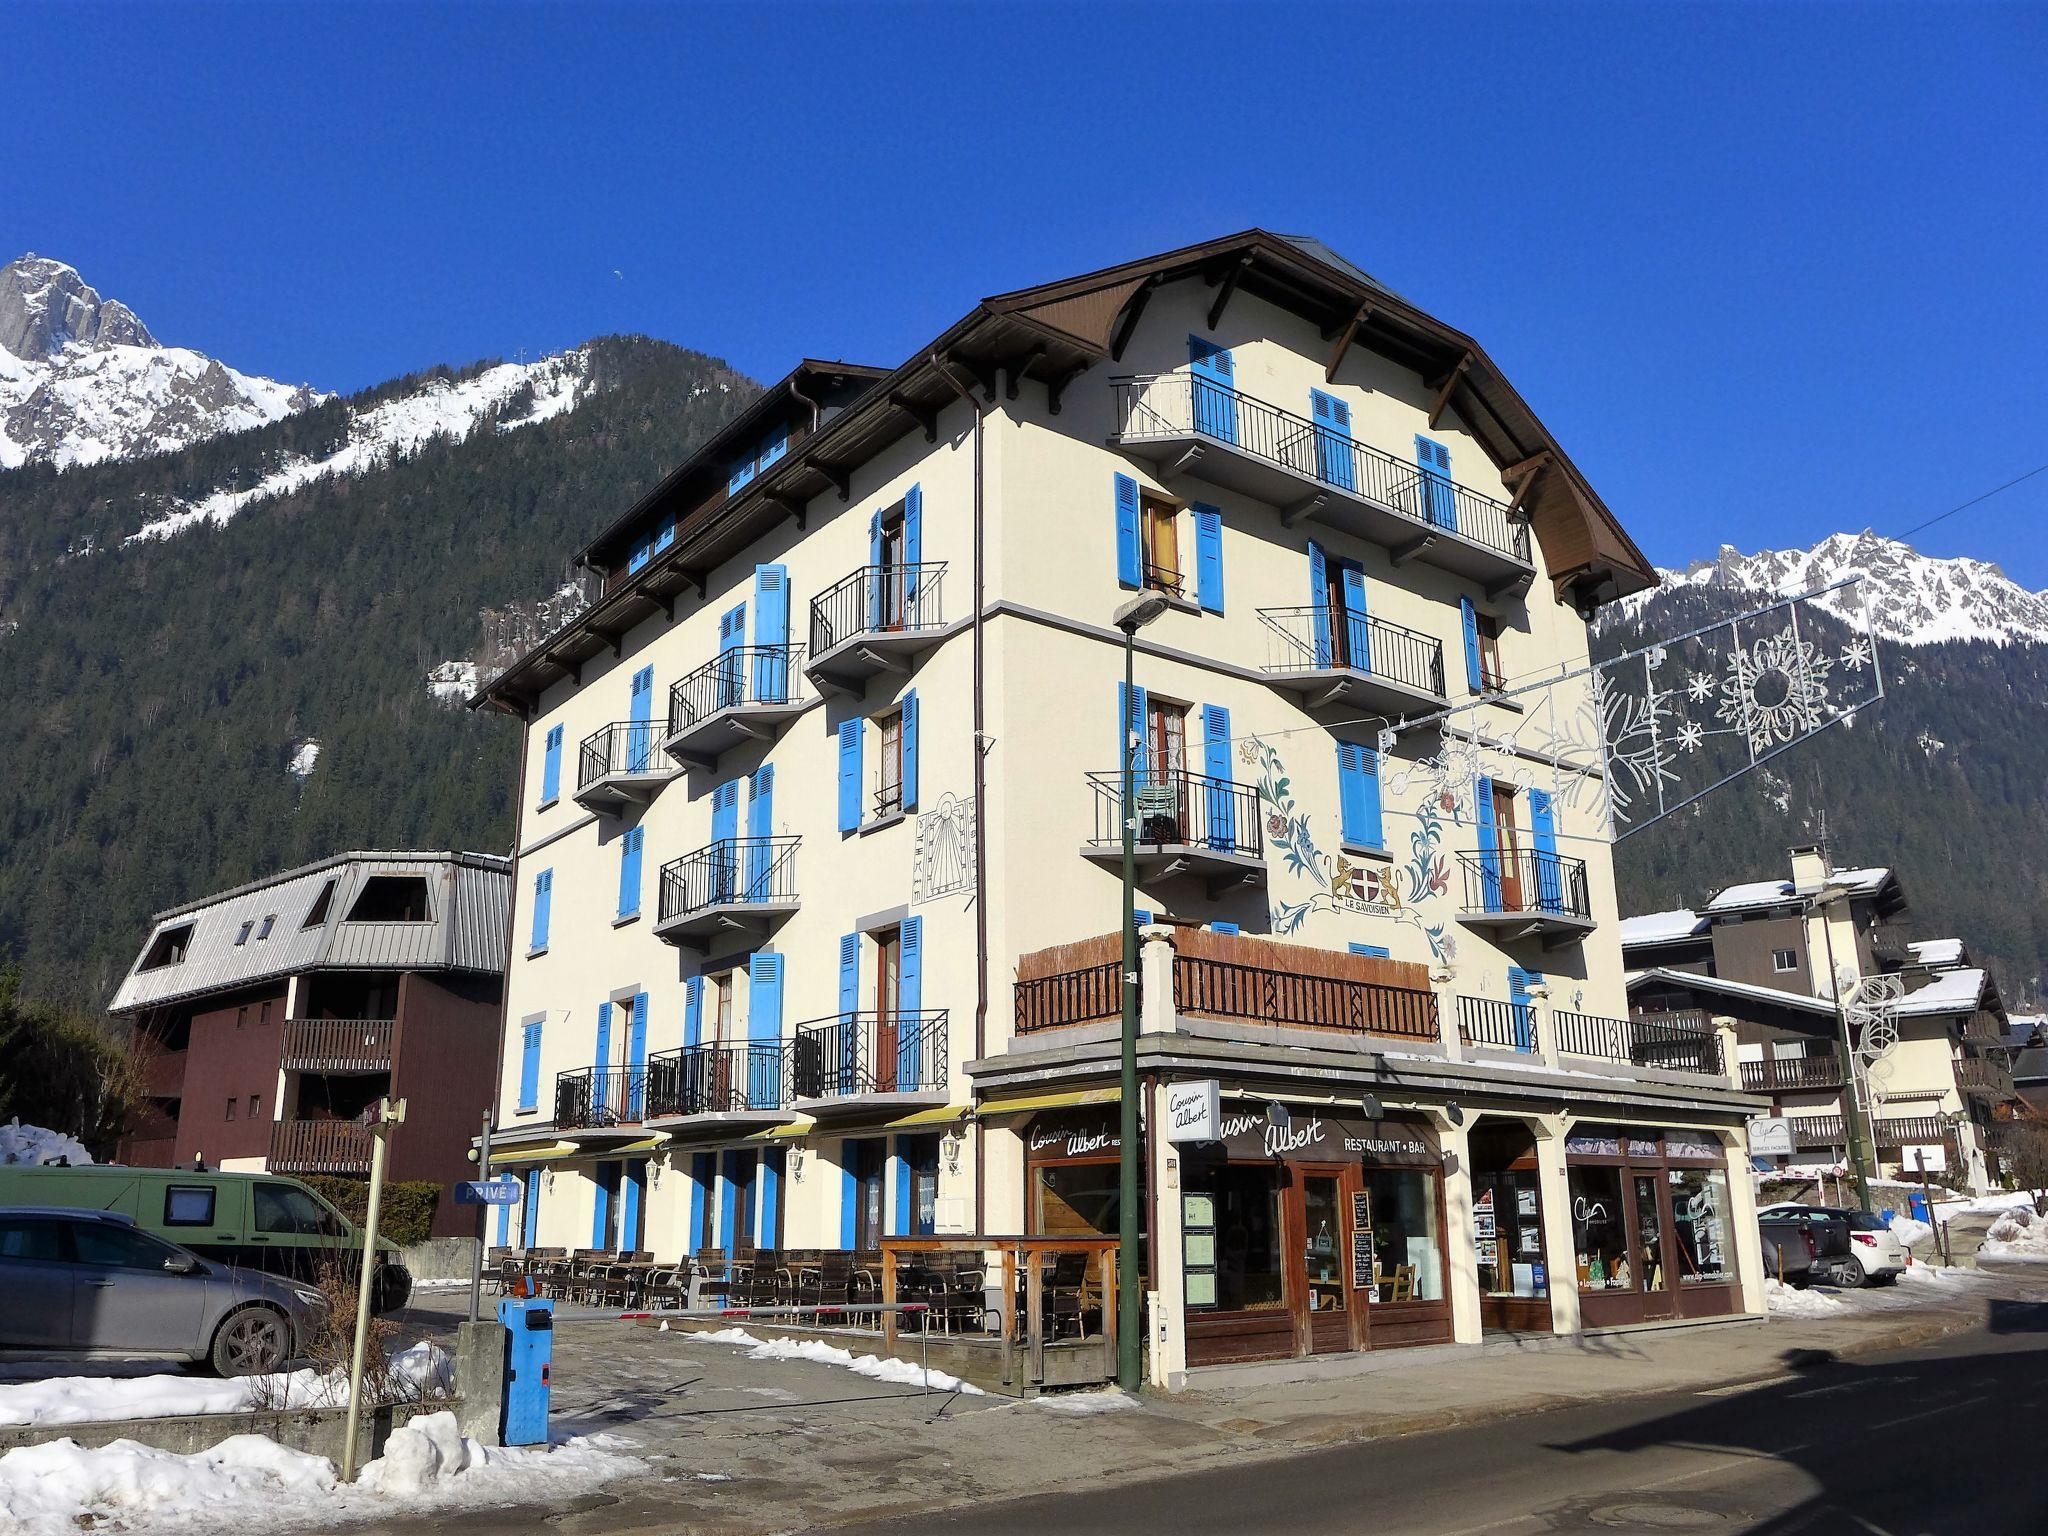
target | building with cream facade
[{"x": 818, "y": 873}]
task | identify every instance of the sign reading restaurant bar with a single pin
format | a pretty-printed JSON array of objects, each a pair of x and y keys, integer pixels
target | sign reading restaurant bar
[{"x": 1309, "y": 1135}]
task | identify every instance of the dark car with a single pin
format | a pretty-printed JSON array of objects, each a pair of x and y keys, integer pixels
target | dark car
[
  {"x": 92, "y": 1284},
  {"x": 1803, "y": 1244}
]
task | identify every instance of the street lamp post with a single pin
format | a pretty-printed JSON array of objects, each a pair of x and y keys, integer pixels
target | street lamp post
[
  {"x": 1130, "y": 618},
  {"x": 1855, "y": 1129}
]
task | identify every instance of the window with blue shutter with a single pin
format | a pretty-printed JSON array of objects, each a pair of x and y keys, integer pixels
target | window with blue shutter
[
  {"x": 693, "y": 1011},
  {"x": 1489, "y": 843},
  {"x": 601, "y": 1057},
  {"x": 543, "y": 900},
  {"x": 551, "y": 768},
  {"x": 1319, "y": 601},
  {"x": 849, "y": 973},
  {"x": 1214, "y": 381},
  {"x": 1221, "y": 805},
  {"x": 1334, "y": 461},
  {"x": 636, "y": 1061},
  {"x": 665, "y": 534},
  {"x": 910, "y": 1041},
  {"x": 760, "y": 828},
  {"x": 1358, "y": 796},
  {"x": 913, "y": 551},
  {"x": 1524, "y": 1006},
  {"x": 910, "y": 712},
  {"x": 640, "y": 738},
  {"x": 732, "y": 667},
  {"x": 1371, "y": 951},
  {"x": 764, "y": 1027},
  {"x": 1132, "y": 724},
  {"x": 1130, "y": 554},
  {"x": 849, "y": 775},
  {"x": 771, "y": 633},
  {"x": 1439, "y": 501},
  {"x": 642, "y": 551},
  {"x": 629, "y": 871},
  {"x": 1208, "y": 557},
  {"x": 725, "y": 832},
  {"x": 1468, "y": 617},
  {"x": 1357, "y": 626},
  {"x": 1549, "y": 869},
  {"x": 529, "y": 1065}
]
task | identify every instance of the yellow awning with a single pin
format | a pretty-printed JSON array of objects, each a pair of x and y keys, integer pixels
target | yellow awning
[
  {"x": 537, "y": 1152},
  {"x": 644, "y": 1144},
  {"x": 785, "y": 1132},
  {"x": 945, "y": 1114},
  {"x": 1070, "y": 1099}
]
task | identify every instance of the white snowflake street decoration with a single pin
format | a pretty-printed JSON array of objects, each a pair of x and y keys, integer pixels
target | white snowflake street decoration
[
  {"x": 1690, "y": 735},
  {"x": 1701, "y": 687},
  {"x": 1775, "y": 689}
]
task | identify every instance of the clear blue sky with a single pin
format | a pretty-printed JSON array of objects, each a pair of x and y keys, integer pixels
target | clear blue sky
[{"x": 1767, "y": 272}]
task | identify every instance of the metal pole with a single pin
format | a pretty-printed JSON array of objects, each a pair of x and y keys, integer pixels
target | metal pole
[
  {"x": 483, "y": 1216},
  {"x": 1128, "y": 1315},
  {"x": 1854, "y": 1129},
  {"x": 388, "y": 1115}
]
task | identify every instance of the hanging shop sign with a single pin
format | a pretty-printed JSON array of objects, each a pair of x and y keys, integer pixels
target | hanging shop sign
[
  {"x": 1309, "y": 1135},
  {"x": 1194, "y": 1111},
  {"x": 1770, "y": 1136}
]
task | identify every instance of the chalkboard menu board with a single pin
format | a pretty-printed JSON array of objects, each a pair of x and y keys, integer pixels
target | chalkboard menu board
[
  {"x": 1361, "y": 1210},
  {"x": 1361, "y": 1259}
]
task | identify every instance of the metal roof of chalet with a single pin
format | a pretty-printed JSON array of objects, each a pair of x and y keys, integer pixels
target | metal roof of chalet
[
  {"x": 1052, "y": 334},
  {"x": 468, "y": 896}
]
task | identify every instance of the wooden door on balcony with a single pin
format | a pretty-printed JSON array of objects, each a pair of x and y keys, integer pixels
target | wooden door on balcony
[
  {"x": 1507, "y": 837},
  {"x": 888, "y": 1000},
  {"x": 1166, "y": 761}
]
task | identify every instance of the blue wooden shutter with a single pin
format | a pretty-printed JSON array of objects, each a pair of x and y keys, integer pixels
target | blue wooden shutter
[
  {"x": 764, "y": 1027},
  {"x": 776, "y": 446},
  {"x": 1334, "y": 462},
  {"x": 529, "y": 1232},
  {"x": 1519, "y": 983},
  {"x": 640, "y": 739},
  {"x": 1222, "y": 927},
  {"x": 1543, "y": 831},
  {"x": 1439, "y": 503},
  {"x": 1140, "y": 917},
  {"x": 1371, "y": 951},
  {"x": 1132, "y": 722},
  {"x": 910, "y": 1042},
  {"x": 504, "y": 1226},
  {"x": 760, "y": 828},
  {"x": 1209, "y": 557},
  {"x": 875, "y": 614},
  {"x": 1469, "y": 618},
  {"x": 910, "y": 750},
  {"x": 529, "y": 1065},
  {"x": 849, "y": 973},
  {"x": 913, "y": 552},
  {"x": 1319, "y": 600},
  {"x": 693, "y": 1011},
  {"x": 1489, "y": 843},
  {"x": 629, "y": 1205},
  {"x": 543, "y": 904},
  {"x": 725, "y": 833},
  {"x": 551, "y": 768},
  {"x": 603, "y": 1053},
  {"x": 1222, "y": 808},
  {"x": 1129, "y": 553},
  {"x": 849, "y": 775},
  {"x": 636, "y": 1060},
  {"x": 1357, "y": 631},
  {"x": 1214, "y": 385},
  {"x": 849, "y": 1196},
  {"x": 700, "y": 1188},
  {"x": 1358, "y": 795},
  {"x": 771, "y": 633},
  {"x": 899, "y": 1180},
  {"x": 771, "y": 1197},
  {"x": 664, "y": 535},
  {"x": 728, "y": 1201},
  {"x": 629, "y": 871},
  {"x": 732, "y": 667}
]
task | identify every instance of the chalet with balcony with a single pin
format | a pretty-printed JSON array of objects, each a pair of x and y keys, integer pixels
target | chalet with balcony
[{"x": 270, "y": 1016}]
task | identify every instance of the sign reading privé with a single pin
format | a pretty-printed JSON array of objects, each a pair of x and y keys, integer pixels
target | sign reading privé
[{"x": 487, "y": 1192}]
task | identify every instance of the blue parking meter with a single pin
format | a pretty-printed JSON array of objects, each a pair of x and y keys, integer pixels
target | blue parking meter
[{"x": 529, "y": 1361}]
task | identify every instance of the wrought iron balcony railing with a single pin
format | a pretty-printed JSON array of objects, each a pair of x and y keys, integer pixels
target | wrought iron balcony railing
[
  {"x": 1792, "y": 1074},
  {"x": 730, "y": 871},
  {"x": 872, "y": 1052},
  {"x": 1503, "y": 1026},
  {"x": 1182, "y": 404},
  {"x": 734, "y": 1077},
  {"x": 622, "y": 747},
  {"x": 1182, "y": 809},
  {"x": 878, "y": 600},
  {"x": 1679, "y": 1042},
  {"x": 1318, "y": 638},
  {"x": 735, "y": 678},
  {"x": 593, "y": 1098},
  {"x": 1525, "y": 881}
]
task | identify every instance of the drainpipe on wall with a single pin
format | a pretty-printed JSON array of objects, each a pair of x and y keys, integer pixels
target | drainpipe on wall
[
  {"x": 980, "y": 800},
  {"x": 505, "y": 981},
  {"x": 801, "y": 398}
]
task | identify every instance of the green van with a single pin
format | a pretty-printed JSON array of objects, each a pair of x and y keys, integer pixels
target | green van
[{"x": 255, "y": 1220}]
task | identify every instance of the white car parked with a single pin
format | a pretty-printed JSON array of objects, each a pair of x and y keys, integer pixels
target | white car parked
[{"x": 1880, "y": 1257}]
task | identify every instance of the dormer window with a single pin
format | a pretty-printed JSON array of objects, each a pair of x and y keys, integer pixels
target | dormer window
[
  {"x": 168, "y": 948},
  {"x": 318, "y": 914},
  {"x": 650, "y": 544},
  {"x": 269, "y": 922},
  {"x": 756, "y": 462},
  {"x": 391, "y": 899},
  {"x": 243, "y": 937}
]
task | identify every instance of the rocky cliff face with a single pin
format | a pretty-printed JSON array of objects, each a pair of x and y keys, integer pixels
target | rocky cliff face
[{"x": 82, "y": 379}]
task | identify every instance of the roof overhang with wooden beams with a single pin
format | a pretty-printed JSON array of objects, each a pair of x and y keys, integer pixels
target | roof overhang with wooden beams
[{"x": 1052, "y": 334}]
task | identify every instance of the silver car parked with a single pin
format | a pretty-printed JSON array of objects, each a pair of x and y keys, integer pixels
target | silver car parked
[{"x": 90, "y": 1283}]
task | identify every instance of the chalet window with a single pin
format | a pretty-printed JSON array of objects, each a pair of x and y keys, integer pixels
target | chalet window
[
  {"x": 1784, "y": 959},
  {"x": 269, "y": 922},
  {"x": 1491, "y": 676},
  {"x": 318, "y": 914},
  {"x": 1161, "y": 529},
  {"x": 889, "y": 765},
  {"x": 391, "y": 899},
  {"x": 168, "y": 948},
  {"x": 243, "y": 937}
]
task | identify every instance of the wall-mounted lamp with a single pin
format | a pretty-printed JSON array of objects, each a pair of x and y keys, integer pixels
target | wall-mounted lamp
[
  {"x": 797, "y": 1157},
  {"x": 1372, "y": 1108},
  {"x": 1453, "y": 1113}
]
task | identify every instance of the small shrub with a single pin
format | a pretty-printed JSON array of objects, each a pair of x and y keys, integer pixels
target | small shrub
[{"x": 409, "y": 1204}]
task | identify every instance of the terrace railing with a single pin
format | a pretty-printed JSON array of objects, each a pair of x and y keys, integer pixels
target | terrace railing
[
  {"x": 622, "y": 747},
  {"x": 746, "y": 674},
  {"x": 1070, "y": 997},
  {"x": 1683, "y": 1042},
  {"x": 722, "y": 1079},
  {"x": 729, "y": 871},
  {"x": 1180, "y": 808},
  {"x": 1318, "y": 638},
  {"x": 337, "y": 1045},
  {"x": 878, "y": 600},
  {"x": 591, "y": 1098},
  {"x": 1223, "y": 989},
  {"x": 1792, "y": 1074},
  {"x": 1525, "y": 881},
  {"x": 869, "y": 1052},
  {"x": 1503, "y": 1026}
]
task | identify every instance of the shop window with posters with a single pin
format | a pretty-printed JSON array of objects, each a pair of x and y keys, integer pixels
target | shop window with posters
[
  {"x": 1244, "y": 1224},
  {"x": 1599, "y": 1229},
  {"x": 1407, "y": 1250},
  {"x": 1699, "y": 1222}
]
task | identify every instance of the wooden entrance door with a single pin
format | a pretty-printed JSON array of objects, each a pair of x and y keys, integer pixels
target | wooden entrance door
[
  {"x": 1507, "y": 834},
  {"x": 893, "y": 576},
  {"x": 1322, "y": 1226},
  {"x": 1650, "y": 1211},
  {"x": 888, "y": 997}
]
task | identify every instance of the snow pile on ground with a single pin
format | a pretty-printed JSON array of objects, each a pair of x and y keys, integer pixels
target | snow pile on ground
[
  {"x": 1784, "y": 1300},
  {"x": 2018, "y": 1234},
  {"x": 1108, "y": 1400},
  {"x": 1910, "y": 1230},
  {"x": 61, "y": 1488},
  {"x": 32, "y": 1144},
  {"x": 898, "y": 1372},
  {"x": 424, "y": 1370}
]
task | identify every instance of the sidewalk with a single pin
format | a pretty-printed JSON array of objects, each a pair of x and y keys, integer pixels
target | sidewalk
[{"x": 737, "y": 1446}]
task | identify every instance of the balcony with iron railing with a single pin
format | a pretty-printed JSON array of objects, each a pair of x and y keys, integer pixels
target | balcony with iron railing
[
  {"x": 735, "y": 886},
  {"x": 879, "y": 619},
  {"x": 738, "y": 1081},
  {"x": 337, "y": 1045},
  {"x": 600, "y": 1098},
  {"x": 617, "y": 765},
  {"x": 1819, "y": 1073},
  {"x": 746, "y": 693},
  {"x": 1186, "y": 824},
  {"x": 846, "y": 1062},
  {"x": 319, "y": 1146},
  {"x": 1187, "y": 424},
  {"x": 1672, "y": 1042},
  {"x": 1526, "y": 893},
  {"x": 1495, "y": 1025},
  {"x": 1331, "y": 656}
]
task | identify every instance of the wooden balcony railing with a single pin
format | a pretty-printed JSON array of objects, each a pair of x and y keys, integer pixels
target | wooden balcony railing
[
  {"x": 338, "y": 1045},
  {"x": 1908, "y": 1130},
  {"x": 1792, "y": 1074},
  {"x": 319, "y": 1146},
  {"x": 1220, "y": 989},
  {"x": 1984, "y": 1077}
]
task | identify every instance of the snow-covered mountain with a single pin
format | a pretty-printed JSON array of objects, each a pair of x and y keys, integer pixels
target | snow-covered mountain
[
  {"x": 1913, "y": 599},
  {"x": 82, "y": 379}
]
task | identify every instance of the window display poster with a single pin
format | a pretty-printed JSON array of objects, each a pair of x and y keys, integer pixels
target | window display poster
[
  {"x": 1487, "y": 1252},
  {"x": 1525, "y": 1202},
  {"x": 1484, "y": 1202},
  {"x": 1482, "y": 1224},
  {"x": 1201, "y": 1288},
  {"x": 1529, "y": 1239},
  {"x": 1201, "y": 1249}
]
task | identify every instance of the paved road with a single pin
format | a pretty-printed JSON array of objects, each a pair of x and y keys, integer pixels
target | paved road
[{"x": 1921, "y": 1442}]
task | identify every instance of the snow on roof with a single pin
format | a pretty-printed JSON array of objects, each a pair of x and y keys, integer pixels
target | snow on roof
[
  {"x": 1723, "y": 985},
  {"x": 1957, "y": 991},
  {"x": 1662, "y": 927},
  {"x": 1937, "y": 951},
  {"x": 1769, "y": 893}
]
